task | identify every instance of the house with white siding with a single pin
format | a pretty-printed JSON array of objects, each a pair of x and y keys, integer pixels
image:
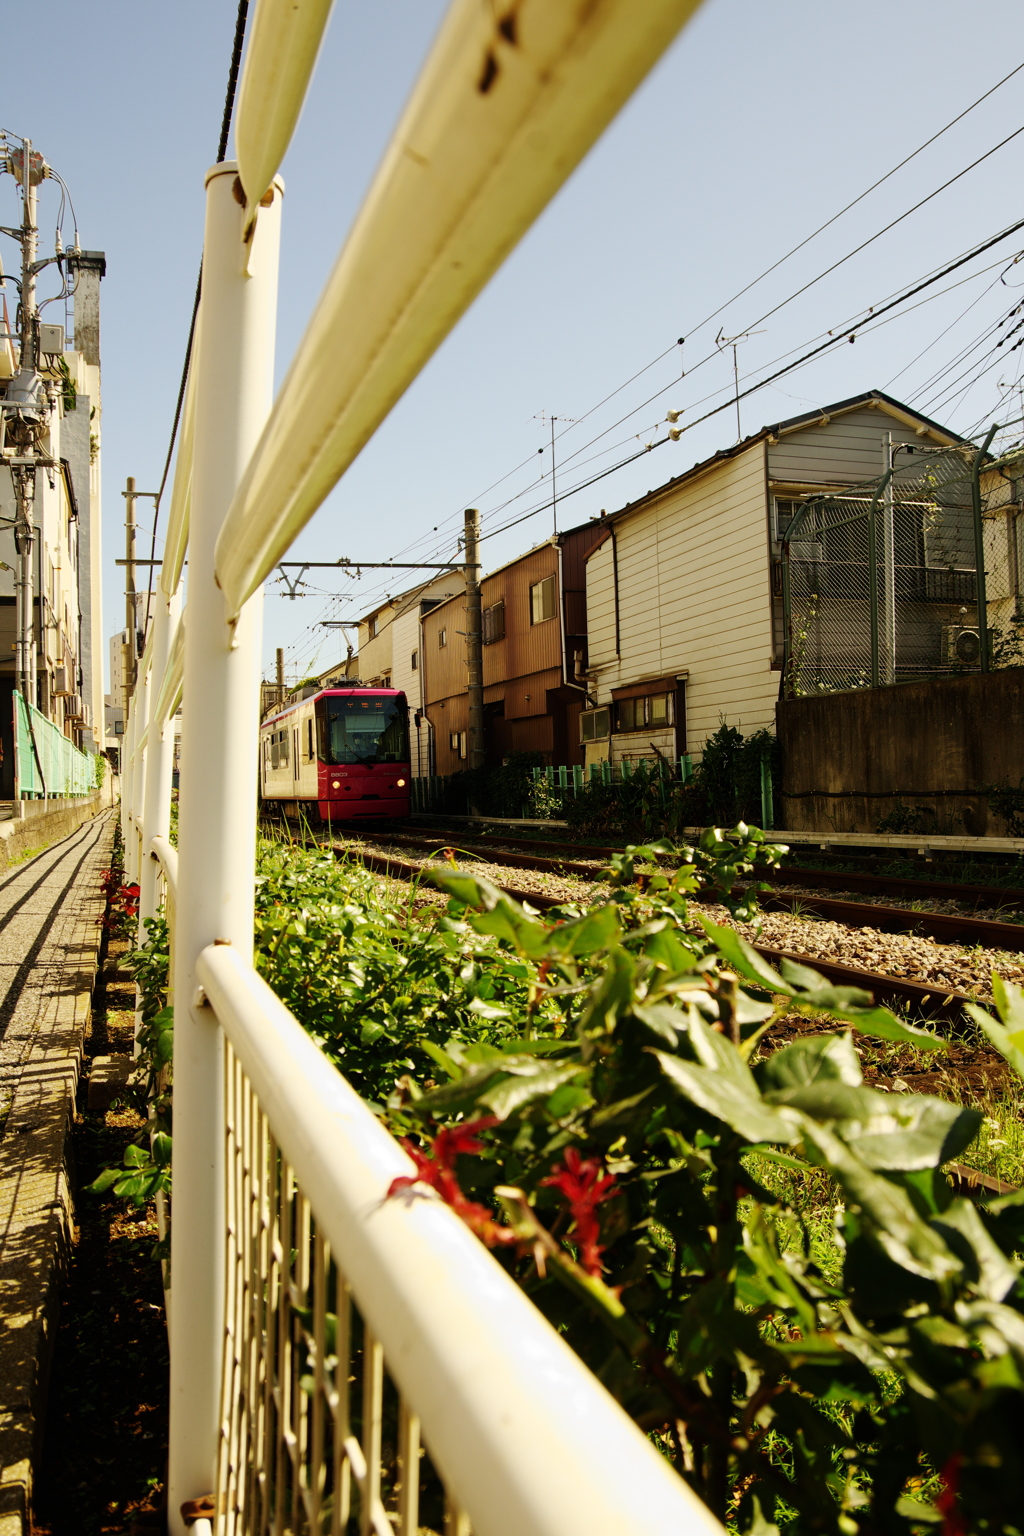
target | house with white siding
[{"x": 683, "y": 591}]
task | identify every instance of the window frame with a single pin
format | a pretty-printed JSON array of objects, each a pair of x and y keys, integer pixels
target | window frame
[
  {"x": 538, "y": 591},
  {"x": 492, "y": 622},
  {"x": 628, "y": 709},
  {"x": 592, "y": 716},
  {"x": 442, "y": 638}
]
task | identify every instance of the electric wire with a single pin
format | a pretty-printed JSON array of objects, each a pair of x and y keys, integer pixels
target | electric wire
[{"x": 222, "y": 149}]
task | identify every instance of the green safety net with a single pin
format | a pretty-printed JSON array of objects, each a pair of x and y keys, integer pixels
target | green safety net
[{"x": 46, "y": 762}]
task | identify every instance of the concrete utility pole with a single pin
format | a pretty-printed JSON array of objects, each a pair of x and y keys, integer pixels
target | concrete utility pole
[
  {"x": 27, "y": 391},
  {"x": 474, "y": 640},
  {"x": 131, "y": 617}
]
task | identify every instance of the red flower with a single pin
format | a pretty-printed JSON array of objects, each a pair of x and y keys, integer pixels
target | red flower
[
  {"x": 436, "y": 1168},
  {"x": 584, "y": 1186},
  {"x": 947, "y": 1503}
]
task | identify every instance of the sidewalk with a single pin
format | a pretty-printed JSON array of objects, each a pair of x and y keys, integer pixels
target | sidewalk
[{"x": 50, "y": 929}]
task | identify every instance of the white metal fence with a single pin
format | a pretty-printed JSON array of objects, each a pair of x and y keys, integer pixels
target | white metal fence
[{"x": 342, "y": 1361}]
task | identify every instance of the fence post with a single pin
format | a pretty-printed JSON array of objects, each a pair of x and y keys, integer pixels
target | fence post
[
  {"x": 217, "y": 808},
  {"x": 876, "y": 670},
  {"x": 767, "y": 798},
  {"x": 156, "y": 811},
  {"x": 979, "y": 546},
  {"x": 141, "y": 699}
]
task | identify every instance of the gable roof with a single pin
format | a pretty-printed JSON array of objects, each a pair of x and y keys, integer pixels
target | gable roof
[{"x": 871, "y": 397}]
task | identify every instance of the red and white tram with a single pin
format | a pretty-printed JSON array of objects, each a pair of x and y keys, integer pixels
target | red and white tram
[{"x": 342, "y": 753}]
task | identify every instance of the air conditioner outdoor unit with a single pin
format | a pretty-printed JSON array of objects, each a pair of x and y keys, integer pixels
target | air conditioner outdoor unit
[
  {"x": 73, "y": 707},
  {"x": 960, "y": 647},
  {"x": 61, "y": 680}
]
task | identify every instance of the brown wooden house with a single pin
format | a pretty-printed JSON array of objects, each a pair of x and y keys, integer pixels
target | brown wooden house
[{"x": 534, "y": 653}]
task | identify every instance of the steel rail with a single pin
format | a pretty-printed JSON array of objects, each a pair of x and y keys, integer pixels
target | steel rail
[
  {"x": 520, "y": 1428},
  {"x": 925, "y": 998},
  {"x": 945, "y": 927},
  {"x": 508, "y": 104}
]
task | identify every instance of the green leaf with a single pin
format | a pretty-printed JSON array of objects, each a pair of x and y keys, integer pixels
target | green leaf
[
  {"x": 107, "y": 1178},
  {"x": 512, "y": 1094},
  {"x": 887, "y": 1212},
  {"x": 487, "y": 1010},
  {"x": 586, "y": 935},
  {"x": 135, "y": 1157},
  {"x": 822, "y": 1057},
  {"x": 742, "y": 1109},
  {"x": 442, "y": 1059},
  {"x": 996, "y": 1274},
  {"x": 913, "y": 1131},
  {"x": 743, "y": 958},
  {"x": 1006, "y": 1041}
]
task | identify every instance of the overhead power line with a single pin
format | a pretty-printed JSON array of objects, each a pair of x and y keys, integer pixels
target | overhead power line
[
  {"x": 846, "y": 334},
  {"x": 222, "y": 149}
]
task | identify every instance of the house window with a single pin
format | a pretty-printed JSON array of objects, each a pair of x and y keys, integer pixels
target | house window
[
  {"x": 494, "y": 623},
  {"x": 371, "y": 627},
  {"x": 457, "y": 742},
  {"x": 414, "y": 660},
  {"x": 442, "y": 638},
  {"x": 542, "y": 600},
  {"x": 594, "y": 724},
  {"x": 639, "y": 714}
]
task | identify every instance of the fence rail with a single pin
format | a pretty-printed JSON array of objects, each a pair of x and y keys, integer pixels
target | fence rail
[
  {"x": 47, "y": 764},
  {"x": 521, "y": 1435},
  {"x": 343, "y": 1361}
]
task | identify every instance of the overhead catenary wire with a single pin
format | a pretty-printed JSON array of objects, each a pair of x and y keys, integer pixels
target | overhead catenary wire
[
  {"x": 713, "y": 315},
  {"x": 222, "y": 149}
]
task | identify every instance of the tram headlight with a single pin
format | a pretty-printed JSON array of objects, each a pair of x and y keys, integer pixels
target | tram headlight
[
  {"x": 335, "y": 783},
  {"x": 400, "y": 783}
]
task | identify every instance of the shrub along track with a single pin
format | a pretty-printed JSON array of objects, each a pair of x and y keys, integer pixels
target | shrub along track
[
  {"x": 858, "y": 926},
  {"x": 970, "y": 1071}
]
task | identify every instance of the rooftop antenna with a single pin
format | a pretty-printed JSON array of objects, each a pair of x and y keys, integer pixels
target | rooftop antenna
[
  {"x": 721, "y": 340},
  {"x": 543, "y": 416}
]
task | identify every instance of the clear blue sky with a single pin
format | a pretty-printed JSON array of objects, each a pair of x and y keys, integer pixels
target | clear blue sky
[{"x": 758, "y": 125}]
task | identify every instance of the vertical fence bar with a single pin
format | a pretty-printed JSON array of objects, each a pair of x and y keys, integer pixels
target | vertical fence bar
[
  {"x": 156, "y": 809},
  {"x": 140, "y": 705},
  {"x": 979, "y": 547},
  {"x": 217, "y": 808},
  {"x": 767, "y": 797}
]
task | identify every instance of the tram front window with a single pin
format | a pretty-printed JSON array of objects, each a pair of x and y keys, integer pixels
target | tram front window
[{"x": 363, "y": 731}]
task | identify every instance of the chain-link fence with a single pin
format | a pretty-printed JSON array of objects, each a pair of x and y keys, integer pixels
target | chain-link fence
[{"x": 913, "y": 575}]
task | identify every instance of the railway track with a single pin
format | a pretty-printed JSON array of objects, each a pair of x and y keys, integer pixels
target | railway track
[
  {"x": 928, "y": 1001},
  {"x": 947, "y": 928}
]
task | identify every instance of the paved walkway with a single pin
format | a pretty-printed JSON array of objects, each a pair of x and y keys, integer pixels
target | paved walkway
[{"x": 50, "y": 911}]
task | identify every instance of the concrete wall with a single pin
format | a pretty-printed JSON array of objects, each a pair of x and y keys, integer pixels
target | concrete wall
[
  {"x": 932, "y": 746},
  {"x": 47, "y": 821}
]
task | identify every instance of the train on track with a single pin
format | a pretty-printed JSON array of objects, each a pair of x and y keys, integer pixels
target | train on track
[{"x": 338, "y": 755}]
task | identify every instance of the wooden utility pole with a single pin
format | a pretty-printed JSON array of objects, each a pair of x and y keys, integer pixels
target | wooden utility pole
[{"x": 474, "y": 640}]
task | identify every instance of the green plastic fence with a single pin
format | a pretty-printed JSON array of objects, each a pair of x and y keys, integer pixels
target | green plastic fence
[{"x": 46, "y": 762}]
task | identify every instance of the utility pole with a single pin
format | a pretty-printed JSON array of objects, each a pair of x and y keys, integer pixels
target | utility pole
[
  {"x": 30, "y": 427},
  {"x": 474, "y": 640},
  {"x": 131, "y": 617}
]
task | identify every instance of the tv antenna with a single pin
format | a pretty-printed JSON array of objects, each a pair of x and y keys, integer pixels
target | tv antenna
[
  {"x": 721, "y": 340},
  {"x": 543, "y": 416}
]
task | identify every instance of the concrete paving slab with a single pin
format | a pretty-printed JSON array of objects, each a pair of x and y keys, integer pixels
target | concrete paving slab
[{"x": 50, "y": 929}]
